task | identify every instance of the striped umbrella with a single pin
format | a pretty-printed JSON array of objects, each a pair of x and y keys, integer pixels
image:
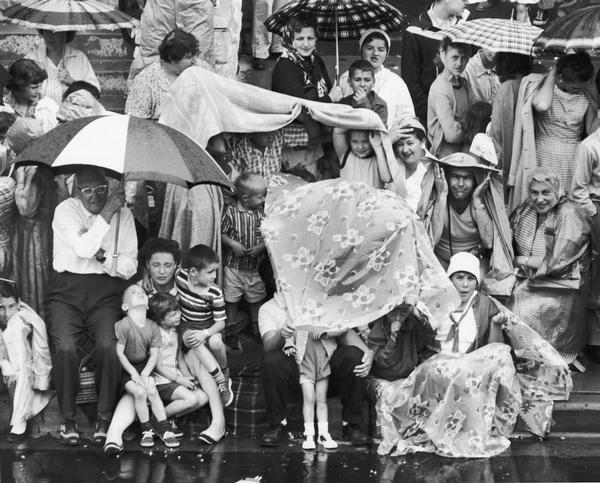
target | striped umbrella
[
  {"x": 67, "y": 15},
  {"x": 578, "y": 30},
  {"x": 495, "y": 34},
  {"x": 339, "y": 19},
  {"x": 139, "y": 149}
]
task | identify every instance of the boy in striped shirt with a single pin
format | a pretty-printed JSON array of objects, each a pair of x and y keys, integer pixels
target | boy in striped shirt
[{"x": 203, "y": 315}]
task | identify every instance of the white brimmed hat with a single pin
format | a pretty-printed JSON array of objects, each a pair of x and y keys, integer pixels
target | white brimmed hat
[{"x": 465, "y": 262}]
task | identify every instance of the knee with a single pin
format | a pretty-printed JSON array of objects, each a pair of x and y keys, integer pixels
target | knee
[
  {"x": 106, "y": 347},
  {"x": 215, "y": 342},
  {"x": 151, "y": 390},
  {"x": 272, "y": 360},
  {"x": 200, "y": 399},
  {"x": 138, "y": 392},
  {"x": 346, "y": 358},
  {"x": 309, "y": 398},
  {"x": 65, "y": 349}
]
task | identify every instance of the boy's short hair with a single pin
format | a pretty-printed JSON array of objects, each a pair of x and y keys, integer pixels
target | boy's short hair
[
  {"x": 160, "y": 304},
  {"x": 361, "y": 65},
  {"x": 201, "y": 256},
  {"x": 244, "y": 181},
  {"x": 8, "y": 289}
]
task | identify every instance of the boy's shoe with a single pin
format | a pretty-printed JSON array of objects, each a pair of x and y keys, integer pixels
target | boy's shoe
[
  {"x": 178, "y": 433},
  {"x": 326, "y": 441},
  {"x": 169, "y": 440},
  {"x": 147, "y": 440},
  {"x": 226, "y": 392},
  {"x": 274, "y": 436},
  {"x": 233, "y": 344},
  {"x": 68, "y": 434},
  {"x": 309, "y": 442},
  {"x": 101, "y": 430},
  {"x": 113, "y": 448},
  {"x": 355, "y": 435}
]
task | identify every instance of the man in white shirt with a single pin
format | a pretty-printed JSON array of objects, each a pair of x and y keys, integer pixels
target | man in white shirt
[
  {"x": 85, "y": 292},
  {"x": 350, "y": 364}
]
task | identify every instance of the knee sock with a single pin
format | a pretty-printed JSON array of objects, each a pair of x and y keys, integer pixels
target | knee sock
[
  {"x": 225, "y": 372},
  {"x": 146, "y": 426},
  {"x": 162, "y": 426},
  {"x": 218, "y": 376},
  {"x": 309, "y": 429}
]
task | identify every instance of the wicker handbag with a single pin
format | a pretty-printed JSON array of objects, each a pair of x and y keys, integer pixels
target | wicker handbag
[{"x": 87, "y": 386}]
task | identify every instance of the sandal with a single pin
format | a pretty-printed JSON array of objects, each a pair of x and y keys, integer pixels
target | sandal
[
  {"x": 207, "y": 439},
  {"x": 68, "y": 434},
  {"x": 113, "y": 448}
]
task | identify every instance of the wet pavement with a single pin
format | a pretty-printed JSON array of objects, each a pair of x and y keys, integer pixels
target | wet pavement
[{"x": 235, "y": 459}]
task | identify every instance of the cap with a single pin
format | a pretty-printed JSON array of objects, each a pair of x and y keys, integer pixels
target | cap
[
  {"x": 465, "y": 262},
  {"x": 463, "y": 160},
  {"x": 368, "y": 32}
]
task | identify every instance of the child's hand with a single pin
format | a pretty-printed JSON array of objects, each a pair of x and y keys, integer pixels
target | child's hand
[
  {"x": 238, "y": 249},
  {"x": 256, "y": 250},
  {"x": 186, "y": 381},
  {"x": 375, "y": 139},
  {"x": 138, "y": 380},
  {"x": 290, "y": 350},
  {"x": 195, "y": 337},
  {"x": 360, "y": 98},
  {"x": 317, "y": 334},
  {"x": 145, "y": 381}
]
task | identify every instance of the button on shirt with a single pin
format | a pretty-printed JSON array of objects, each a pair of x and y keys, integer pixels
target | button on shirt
[{"x": 78, "y": 235}]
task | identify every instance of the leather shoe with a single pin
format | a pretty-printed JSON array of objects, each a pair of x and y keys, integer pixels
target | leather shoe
[
  {"x": 274, "y": 436},
  {"x": 259, "y": 64},
  {"x": 593, "y": 352},
  {"x": 355, "y": 435}
]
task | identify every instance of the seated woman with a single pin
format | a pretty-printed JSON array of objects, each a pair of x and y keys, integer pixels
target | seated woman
[
  {"x": 462, "y": 209},
  {"x": 159, "y": 258},
  {"x": 551, "y": 237},
  {"x": 464, "y": 401}
]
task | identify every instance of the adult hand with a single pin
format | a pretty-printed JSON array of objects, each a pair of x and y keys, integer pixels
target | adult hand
[
  {"x": 395, "y": 327},
  {"x": 480, "y": 190},
  {"x": 64, "y": 76},
  {"x": 100, "y": 255},
  {"x": 396, "y": 132},
  {"x": 500, "y": 318},
  {"x": 287, "y": 330},
  {"x": 336, "y": 94},
  {"x": 363, "y": 369},
  {"x": 360, "y": 98},
  {"x": 375, "y": 139},
  {"x": 441, "y": 184},
  {"x": 115, "y": 201},
  {"x": 146, "y": 282}
]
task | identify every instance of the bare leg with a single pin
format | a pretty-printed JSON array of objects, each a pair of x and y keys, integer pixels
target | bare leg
[
  {"x": 206, "y": 357},
  {"x": 184, "y": 401},
  {"x": 158, "y": 408},
  {"x": 217, "y": 348},
  {"x": 140, "y": 400},
  {"x": 122, "y": 418},
  {"x": 321, "y": 397}
]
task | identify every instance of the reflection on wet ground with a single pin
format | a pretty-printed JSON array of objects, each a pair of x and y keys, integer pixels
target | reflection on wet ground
[{"x": 234, "y": 460}]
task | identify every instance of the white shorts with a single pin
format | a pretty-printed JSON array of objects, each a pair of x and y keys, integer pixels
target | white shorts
[{"x": 242, "y": 283}]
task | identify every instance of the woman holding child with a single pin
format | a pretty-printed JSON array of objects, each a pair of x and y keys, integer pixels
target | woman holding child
[{"x": 374, "y": 47}]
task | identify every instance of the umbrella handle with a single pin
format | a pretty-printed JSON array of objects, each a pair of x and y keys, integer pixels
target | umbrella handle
[
  {"x": 337, "y": 48},
  {"x": 116, "y": 244}
]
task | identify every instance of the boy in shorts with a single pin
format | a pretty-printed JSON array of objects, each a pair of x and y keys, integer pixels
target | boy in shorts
[{"x": 240, "y": 230}]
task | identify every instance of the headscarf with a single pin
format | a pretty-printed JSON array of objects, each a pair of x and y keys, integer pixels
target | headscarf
[
  {"x": 549, "y": 178},
  {"x": 311, "y": 68},
  {"x": 79, "y": 104}
]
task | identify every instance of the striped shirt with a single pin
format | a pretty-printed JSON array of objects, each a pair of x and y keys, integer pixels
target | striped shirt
[
  {"x": 167, "y": 355},
  {"x": 242, "y": 226},
  {"x": 198, "y": 311}
]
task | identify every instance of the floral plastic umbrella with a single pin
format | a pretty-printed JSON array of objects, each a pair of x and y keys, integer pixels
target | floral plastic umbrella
[{"x": 345, "y": 254}]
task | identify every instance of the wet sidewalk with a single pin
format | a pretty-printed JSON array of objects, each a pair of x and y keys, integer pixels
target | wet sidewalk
[{"x": 233, "y": 460}]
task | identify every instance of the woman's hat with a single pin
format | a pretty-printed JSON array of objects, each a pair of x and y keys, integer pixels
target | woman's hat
[
  {"x": 465, "y": 262},
  {"x": 464, "y": 160},
  {"x": 483, "y": 146},
  {"x": 368, "y": 32}
]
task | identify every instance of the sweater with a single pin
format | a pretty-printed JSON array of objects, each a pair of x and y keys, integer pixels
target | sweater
[{"x": 586, "y": 173}]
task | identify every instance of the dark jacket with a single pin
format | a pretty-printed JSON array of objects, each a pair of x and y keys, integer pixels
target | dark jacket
[
  {"x": 288, "y": 78},
  {"x": 377, "y": 105},
  {"x": 419, "y": 49}
]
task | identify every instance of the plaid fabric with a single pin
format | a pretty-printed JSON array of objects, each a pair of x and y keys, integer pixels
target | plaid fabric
[
  {"x": 496, "y": 34},
  {"x": 354, "y": 17},
  {"x": 294, "y": 135},
  {"x": 246, "y": 416},
  {"x": 579, "y": 30}
]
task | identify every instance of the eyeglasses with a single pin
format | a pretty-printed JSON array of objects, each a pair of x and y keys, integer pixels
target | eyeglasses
[{"x": 99, "y": 190}]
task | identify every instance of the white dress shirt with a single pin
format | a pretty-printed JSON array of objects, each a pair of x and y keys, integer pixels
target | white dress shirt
[
  {"x": 78, "y": 235},
  {"x": 74, "y": 61}
]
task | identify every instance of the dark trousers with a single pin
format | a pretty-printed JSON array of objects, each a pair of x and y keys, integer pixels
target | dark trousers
[
  {"x": 281, "y": 380},
  {"x": 78, "y": 307}
]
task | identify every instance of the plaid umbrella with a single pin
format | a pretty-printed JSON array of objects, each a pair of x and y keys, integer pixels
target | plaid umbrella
[
  {"x": 67, "y": 15},
  {"x": 339, "y": 19},
  {"x": 495, "y": 34},
  {"x": 578, "y": 30}
]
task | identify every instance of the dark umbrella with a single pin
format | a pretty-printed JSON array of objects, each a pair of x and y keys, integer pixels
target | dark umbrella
[
  {"x": 578, "y": 30},
  {"x": 339, "y": 19}
]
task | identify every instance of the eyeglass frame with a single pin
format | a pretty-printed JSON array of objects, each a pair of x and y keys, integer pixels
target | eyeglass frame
[{"x": 88, "y": 190}]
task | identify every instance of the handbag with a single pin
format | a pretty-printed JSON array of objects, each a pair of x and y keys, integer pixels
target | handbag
[{"x": 87, "y": 385}]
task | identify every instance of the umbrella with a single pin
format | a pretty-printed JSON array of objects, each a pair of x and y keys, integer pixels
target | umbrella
[
  {"x": 136, "y": 148},
  {"x": 495, "y": 34},
  {"x": 345, "y": 254},
  {"x": 339, "y": 19},
  {"x": 578, "y": 30},
  {"x": 67, "y": 15}
]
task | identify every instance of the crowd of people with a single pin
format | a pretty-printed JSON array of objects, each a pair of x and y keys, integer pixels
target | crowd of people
[{"x": 498, "y": 157}]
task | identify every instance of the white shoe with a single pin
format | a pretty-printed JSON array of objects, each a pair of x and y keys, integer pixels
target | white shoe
[
  {"x": 326, "y": 441},
  {"x": 309, "y": 442}
]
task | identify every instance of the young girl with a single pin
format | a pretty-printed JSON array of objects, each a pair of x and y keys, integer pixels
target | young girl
[
  {"x": 312, "y": 351},
  {"x": 361, "y": 156},
  {"x": 138, "y": 343},
  {"x": 448, "y": 101}
]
